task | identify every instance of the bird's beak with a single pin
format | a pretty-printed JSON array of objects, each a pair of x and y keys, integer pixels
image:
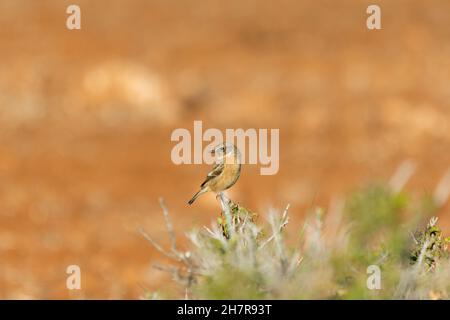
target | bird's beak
[{"x": 213, "y": 152}]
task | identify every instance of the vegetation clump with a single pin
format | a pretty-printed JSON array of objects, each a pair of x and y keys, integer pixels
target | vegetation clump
[{"x": 242, "y": 257}]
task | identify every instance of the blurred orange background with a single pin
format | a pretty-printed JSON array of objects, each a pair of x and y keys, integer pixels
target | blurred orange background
[{"x": 86, "y": 117}]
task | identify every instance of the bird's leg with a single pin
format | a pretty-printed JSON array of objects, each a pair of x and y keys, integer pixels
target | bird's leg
[{"x": 225, "y": 204}]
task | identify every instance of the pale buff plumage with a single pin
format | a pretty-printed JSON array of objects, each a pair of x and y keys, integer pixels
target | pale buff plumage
[{"x": 224, "y": 174}]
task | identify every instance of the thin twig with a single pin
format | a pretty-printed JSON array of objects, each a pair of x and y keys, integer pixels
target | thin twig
[
  {"x": 211, "y": 233},
  {"x": 402, "y": 175},
  {"x": 442, "y": 191},
  {"x": 174, "y": 253},
  {"x": 157, "y": 245},
  {"x": 414, "y": 238},
  {"x": 284, "y": 222},
  {"x": 169, "y": 225}
]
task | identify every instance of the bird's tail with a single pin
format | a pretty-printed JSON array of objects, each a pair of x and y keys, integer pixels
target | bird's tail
[{"x": 202, "y": 191}]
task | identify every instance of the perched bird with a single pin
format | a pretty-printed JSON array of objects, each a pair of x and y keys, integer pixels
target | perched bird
[{"x": 225, "y": 173}]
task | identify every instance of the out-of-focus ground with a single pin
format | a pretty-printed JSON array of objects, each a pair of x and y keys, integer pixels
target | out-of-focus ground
[{"x": 86, "y": 118}]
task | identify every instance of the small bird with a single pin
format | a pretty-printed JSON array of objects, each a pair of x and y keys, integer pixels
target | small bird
[{"x": 225, "y": 173}]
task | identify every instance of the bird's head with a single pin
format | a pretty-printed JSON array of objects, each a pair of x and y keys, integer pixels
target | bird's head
[{"x": 224, "y": 150}]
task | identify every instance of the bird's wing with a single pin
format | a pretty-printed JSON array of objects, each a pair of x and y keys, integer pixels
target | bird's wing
[{"x": 216, "y": 171}]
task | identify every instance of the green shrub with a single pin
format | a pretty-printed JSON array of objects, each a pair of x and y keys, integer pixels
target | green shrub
[{"x": 239, "y": 258}]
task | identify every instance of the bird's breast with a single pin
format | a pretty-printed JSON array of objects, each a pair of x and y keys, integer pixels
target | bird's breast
[{"x": 227, "y": 178}]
